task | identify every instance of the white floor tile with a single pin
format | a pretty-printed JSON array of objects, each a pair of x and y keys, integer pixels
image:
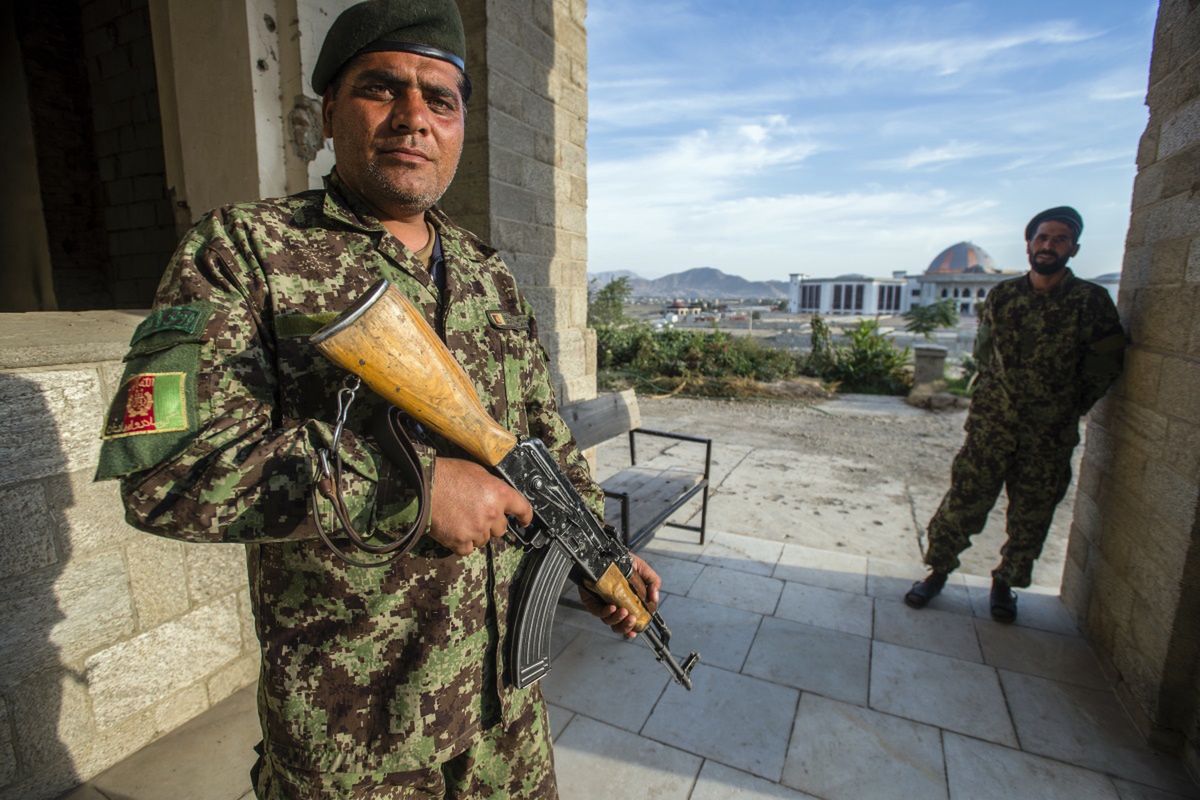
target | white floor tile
[
  {"x": 1035, "y": 652},
  {"x": 845, "y": 752},
  {"x": 1086, "y": 727},
  {"x": 740, "y": 721},
  {"x": 930, "y": 629},
  {"x": 728, "y": 587},
  {"x": 827, "y": 662},
  {"x": 826, "y": 608},
  {"x": 743, "y": 553},
  {"x": 609, "y": 679},
  {"x": 979, "y": 770},
  {"x": 594, "y": 761},
  {"x": 938, "y": 690},
  {"x": 845, "y": 572},
  {"x": 719, "y": 782},
  {"x": 722, "y": 635},
  {"x": 678, "y": 575}
]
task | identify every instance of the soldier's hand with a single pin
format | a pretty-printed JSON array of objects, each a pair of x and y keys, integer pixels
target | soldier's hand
[
  {"x": 644, "y": 581},
  {"x": 471, "y": 506}
]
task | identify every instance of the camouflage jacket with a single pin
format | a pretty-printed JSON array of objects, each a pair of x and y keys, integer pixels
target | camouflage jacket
[
  {"x": 213, "y": 434},
  {"x": 1045, "y": 358}
]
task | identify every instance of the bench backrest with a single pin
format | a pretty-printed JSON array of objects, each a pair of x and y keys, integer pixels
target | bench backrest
[{"x": 598, "y": 420}]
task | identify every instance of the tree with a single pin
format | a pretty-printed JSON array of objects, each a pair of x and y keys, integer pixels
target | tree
[
  {"x": 606, "y": 305},
  {"x": 927, "y": 319}
]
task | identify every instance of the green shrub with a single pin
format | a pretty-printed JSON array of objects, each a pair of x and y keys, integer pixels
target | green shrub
[
  {"x": 639, "y": 355},
  {"x": 869, "y": 363}
]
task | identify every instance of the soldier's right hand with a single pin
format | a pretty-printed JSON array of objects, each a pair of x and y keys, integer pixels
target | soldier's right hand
[{"x": 471, "y": 506}]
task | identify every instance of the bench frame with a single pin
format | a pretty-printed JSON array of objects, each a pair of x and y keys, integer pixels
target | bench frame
[{"x": 606, "y": 417}]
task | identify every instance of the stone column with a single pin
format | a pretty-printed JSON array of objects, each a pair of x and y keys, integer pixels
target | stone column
[
  {"x": 522, "y": 184},
  {"x": 1133, "y": 563}
]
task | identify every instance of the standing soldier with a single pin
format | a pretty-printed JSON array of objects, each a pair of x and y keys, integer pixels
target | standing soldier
[
  {"x": 1049, "y": 345},
  {"x": 385, "y": 682}
]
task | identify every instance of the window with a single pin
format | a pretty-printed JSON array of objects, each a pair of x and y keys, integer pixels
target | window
[
  {"x": 837, "y": 297},
  {"x": 858, "y": 297},
  {"x": 810, "y": 297}
]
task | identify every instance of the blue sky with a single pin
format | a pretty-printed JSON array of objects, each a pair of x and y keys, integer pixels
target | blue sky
[{"x": 767, "y": 137}]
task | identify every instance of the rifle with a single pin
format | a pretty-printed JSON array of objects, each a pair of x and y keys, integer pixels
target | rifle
[{"x": 387, "y": 343}]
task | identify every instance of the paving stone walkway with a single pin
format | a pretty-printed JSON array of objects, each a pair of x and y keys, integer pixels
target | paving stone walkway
[{"x": 816, "y": 681}]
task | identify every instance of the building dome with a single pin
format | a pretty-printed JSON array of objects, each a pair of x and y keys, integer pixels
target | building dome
[{"x": 962, "y": 258}]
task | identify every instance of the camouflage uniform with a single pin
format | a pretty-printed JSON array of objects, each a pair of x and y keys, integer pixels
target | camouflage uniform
[
  {"x": 1044, "y": 359},
  {"x": 365, "y": 672}
]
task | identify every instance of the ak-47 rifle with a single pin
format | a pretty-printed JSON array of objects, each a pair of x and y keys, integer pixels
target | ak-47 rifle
[{"x": 386, "y": 342}]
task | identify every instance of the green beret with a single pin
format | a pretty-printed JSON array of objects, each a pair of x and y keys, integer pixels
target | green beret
[
  {"x": 430, "y": 28},
  {"x": 1064, "y": 214}
]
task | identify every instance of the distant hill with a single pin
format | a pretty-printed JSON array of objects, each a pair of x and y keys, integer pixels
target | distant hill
[{"x": 702, "y": 283}]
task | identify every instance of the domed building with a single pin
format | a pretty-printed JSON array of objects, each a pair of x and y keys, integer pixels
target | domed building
[{"x": 963, "y": 272}]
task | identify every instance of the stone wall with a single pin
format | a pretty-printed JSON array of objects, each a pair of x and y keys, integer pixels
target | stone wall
[
  {"x": 1133, "y": 569},
  {"x": 522, "y": 185},
  {"x": 111, "y": 637}
]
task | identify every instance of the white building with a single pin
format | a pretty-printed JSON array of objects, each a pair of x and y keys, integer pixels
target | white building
[
  {"x": 847, "y": 294},
  {"x": 963, "y": 272}
]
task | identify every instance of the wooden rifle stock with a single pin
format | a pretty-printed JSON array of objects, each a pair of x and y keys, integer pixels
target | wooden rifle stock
[{"x": 386, "y": 341}]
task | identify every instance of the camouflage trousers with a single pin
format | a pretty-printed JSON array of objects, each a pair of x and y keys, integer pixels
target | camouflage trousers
[
  {"x": 515, "y": 762},
  {"x": 1035, "y": 469}
]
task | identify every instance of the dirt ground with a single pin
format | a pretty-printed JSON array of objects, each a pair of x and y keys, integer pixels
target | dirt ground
[{"x": 857, "y": 473}]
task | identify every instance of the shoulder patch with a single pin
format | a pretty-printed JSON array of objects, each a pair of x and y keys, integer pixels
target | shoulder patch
[
  {"x": 150, "y": 402},
  {"x": 189, "y": 319}
]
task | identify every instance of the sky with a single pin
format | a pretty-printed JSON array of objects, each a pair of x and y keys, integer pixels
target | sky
[{"x": 769, "y": 137}]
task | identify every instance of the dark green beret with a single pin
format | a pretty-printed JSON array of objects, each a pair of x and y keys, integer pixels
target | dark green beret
[
  {"x": 430, "y": 28},
  {"x": 1064, "y": 214}
]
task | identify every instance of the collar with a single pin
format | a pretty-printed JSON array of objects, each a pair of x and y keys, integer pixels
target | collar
[
  {"x": 344, "y": 205},
  {"x": 1027, "y": 283}
]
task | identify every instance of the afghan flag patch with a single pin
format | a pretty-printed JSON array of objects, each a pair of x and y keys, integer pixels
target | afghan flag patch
[{"x": 151, "y": 402}]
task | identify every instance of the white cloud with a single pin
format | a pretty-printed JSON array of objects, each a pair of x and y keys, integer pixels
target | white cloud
[
  {"x": 939, "y": 156},
  {"x": 700, "y": 166},
  {"x": 951, "y": 55}
]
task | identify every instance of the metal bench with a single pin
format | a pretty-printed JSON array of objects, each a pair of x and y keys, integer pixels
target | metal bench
[{"x": 640, "y": 499}]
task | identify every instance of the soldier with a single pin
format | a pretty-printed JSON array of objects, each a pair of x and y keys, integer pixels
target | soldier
[
  {"x": 381, "y": 682},
  {"x": 1048, "y": 347}
]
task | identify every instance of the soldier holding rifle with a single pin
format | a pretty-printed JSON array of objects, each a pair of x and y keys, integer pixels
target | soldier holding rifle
[{"x": 383, "y": 682}]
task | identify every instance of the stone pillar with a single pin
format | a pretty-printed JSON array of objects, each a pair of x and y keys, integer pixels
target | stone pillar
[
  {"x": 1133, "y": 563},
  {"x": 522, "y": 184},
  {"x": 930, "y": 364}
]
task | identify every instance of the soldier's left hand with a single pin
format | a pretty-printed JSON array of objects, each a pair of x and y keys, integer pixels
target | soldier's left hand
[{"x": 644, "y": 581}]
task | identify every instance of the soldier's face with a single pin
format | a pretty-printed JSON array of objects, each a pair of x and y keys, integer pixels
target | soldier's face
[
  {"x": 1052, "y": 246},
  {"x": 397, "y": 121}
]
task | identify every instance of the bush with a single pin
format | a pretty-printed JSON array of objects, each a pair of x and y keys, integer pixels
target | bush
[
  {"x": 638, "y": 354},
  {"x": 870, "y": 363}
]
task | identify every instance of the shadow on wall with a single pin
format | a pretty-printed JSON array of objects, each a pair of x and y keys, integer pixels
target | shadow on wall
[{"x": 38, "y": 670}]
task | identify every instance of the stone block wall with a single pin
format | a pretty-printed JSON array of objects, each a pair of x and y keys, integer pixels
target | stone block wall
[
  {"x": 1133, "y": 569},
  {"x": 522, "y": 184},
  {"x": 111, "y": 637}
]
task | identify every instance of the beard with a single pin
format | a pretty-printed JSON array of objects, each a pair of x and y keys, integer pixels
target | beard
[
  {"x": 1048, "y": 268},
  {"x": 416, "y": 197}
]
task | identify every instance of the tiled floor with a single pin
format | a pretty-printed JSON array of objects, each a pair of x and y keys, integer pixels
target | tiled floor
[
  {"x": 822, "y": 692},
  {"x": 815, "y": 682},
  {"x": 803, "y": 691}
]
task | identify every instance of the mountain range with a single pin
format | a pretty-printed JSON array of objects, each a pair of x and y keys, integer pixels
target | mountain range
[{"x": 702, "y": 283}]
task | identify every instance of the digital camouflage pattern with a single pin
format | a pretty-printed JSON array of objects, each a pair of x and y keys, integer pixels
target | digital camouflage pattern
[
  {"x": 513, "y": 763},
  {"x": 1044, "y": 359},
  {"x": 363, "y": 670}
]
